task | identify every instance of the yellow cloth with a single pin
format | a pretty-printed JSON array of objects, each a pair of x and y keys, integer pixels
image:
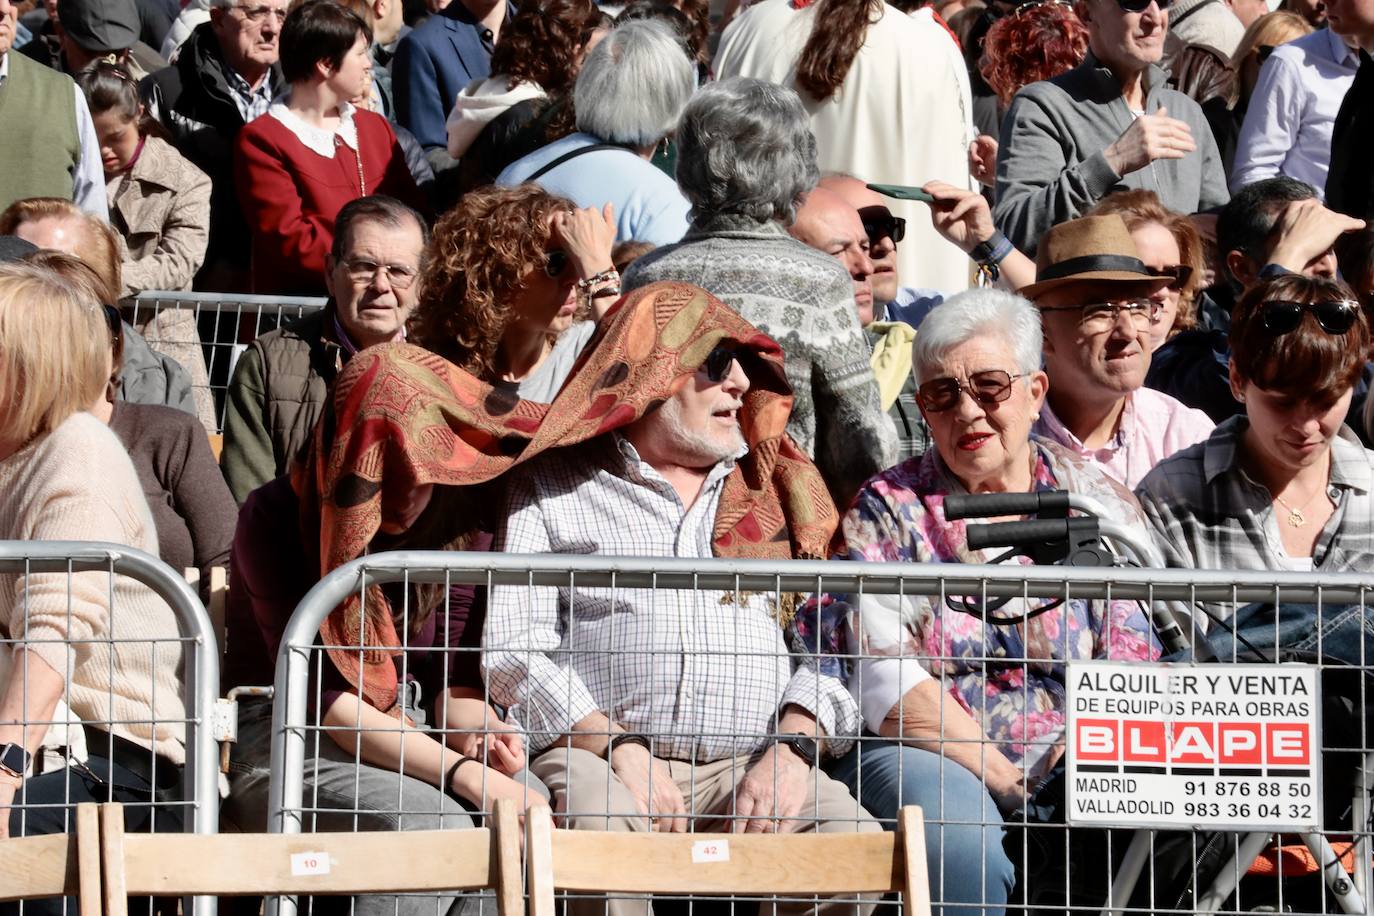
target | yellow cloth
[{"x": 891, "y": 359}]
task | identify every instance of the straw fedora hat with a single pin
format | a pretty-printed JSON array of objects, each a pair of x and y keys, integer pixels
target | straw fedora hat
[{"x": 1091, "y": 249}]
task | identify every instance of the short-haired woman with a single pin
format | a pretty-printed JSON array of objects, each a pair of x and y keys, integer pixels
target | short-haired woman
[
  {"x": 106, "y": 645},
  {"x": 313, "y": 151},
  {"x": 629, "y": 95},
  {"x": 975, "y": 710},
  {"x": 1037, "y": 41},
  {"x": 1286, "y": 485},
  {"x": 514, "y": 284},
  {"x": 746, "y": 157}
]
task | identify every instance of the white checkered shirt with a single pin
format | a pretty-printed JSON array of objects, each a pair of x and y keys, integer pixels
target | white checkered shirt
[{"x": 701, "y": 672}]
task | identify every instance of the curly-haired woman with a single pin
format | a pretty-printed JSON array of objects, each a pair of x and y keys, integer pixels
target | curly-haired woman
[
  {"x": 537, "y": 57},
  {"x": 512, "y": 275},
  {"x": 1036, "y": 42}
]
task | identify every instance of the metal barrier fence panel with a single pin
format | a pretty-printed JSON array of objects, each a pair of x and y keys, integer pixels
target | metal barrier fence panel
[
  {"x": 206, "y": 332},
  {"x": 692, "y": 655},
  {"x": 139, "y": 676}
]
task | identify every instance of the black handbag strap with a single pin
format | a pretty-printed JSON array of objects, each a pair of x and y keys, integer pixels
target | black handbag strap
[{"x": 548, "y": 167}]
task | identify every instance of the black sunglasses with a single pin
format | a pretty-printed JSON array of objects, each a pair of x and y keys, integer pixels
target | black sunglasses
[
  {"x": 718, "y": 362},
  {"x": 1136, "y": 6},
  {"x": 876, "y": 227},
  {"x": 1335, "y": 317},
  {"x": 990, "y": 386},
  {"x": 1180, "y": 274},
  {"x": 115, "y": 322},
  {"x": 555, "y": 262}
]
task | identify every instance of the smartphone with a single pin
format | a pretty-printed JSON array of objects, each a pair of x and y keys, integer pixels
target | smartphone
[{"x": 902, "y": 192}]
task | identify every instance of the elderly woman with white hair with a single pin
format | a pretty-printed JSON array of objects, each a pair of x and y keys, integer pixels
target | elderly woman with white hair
[
  {"x": 971, "y": 698},
  {"x": 746, "y": 157},
  {"x": 628, "y": 97}
]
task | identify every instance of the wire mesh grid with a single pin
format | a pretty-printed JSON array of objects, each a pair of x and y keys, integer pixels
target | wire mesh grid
[
  {"x": 109, "y": 665},
  {"x": 698, "y": 658},
  {"x": 206, "y": 332}
]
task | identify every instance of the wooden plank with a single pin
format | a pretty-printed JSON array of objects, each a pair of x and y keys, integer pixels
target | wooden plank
[
  {"x": 112, "y": 863},
  {"x": 911, "y": 832},
  {"x": 316, "y": 863},
  {"x": 703, "y": 863},
  {"x": 539, "y": 875},
  {"x": 88, "y": 859},
  {"x": 37, "y": 866},
  {"x": 505, "y": 858}
]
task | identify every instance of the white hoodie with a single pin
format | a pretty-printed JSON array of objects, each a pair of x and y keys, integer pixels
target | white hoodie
[{"x": 480, "y": 103}]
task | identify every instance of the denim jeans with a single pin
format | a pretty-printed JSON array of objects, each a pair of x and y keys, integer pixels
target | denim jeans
[
  {"x": 1340, "y": 631},
  {"x": 970, "y": 873}
]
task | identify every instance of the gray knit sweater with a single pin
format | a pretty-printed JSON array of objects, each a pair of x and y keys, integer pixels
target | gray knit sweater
[
  {"x": 804, "y": 300},
  {"x": 1051, "y": 167}
]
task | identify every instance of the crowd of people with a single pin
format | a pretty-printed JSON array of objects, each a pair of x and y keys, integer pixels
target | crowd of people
[{"x": 765, "y": 281}]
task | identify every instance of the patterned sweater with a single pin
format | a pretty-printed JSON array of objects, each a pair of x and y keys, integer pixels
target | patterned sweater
[{"x": 804, "y": 300}]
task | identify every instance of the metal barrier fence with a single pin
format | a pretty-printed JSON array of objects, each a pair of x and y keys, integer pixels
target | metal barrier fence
[
  {"x": 205, "y": 332},
  {"x": 123, "y": 631},
  {"x": 694, "y": 642}
]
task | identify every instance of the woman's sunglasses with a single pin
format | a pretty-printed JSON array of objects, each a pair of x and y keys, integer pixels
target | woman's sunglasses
[
  {"x": 555, "y": 262},
  {"x": 1335, "y": 317},
  {"x": 1179, "y": 274},
  {"x": 990, "y": 386},
  {"x": 1136, "y": 6},
  {"x": 717, "y": 364}
]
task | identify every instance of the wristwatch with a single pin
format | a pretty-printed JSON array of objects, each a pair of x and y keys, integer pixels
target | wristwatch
[
  {"x": 14, "y": 760},
  {"x": 628, "y": 738},
  {"x": 807, "y": 748}
]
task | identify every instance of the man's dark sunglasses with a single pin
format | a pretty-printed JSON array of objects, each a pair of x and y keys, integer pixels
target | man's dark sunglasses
[
  {"x": 1180, "y": 274},
  {"x": 555, "y": 262},
  {"x": 1335, "y": 317},
  {"x": 717, "y": 364},
  {"x": 1136, "y": 6},
  {"x": 877, "y": 227},
  {"x": 991, "y": 386}
]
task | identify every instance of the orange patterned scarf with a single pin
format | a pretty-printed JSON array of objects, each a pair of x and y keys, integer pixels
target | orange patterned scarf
[{"x": 402, "y": 417}]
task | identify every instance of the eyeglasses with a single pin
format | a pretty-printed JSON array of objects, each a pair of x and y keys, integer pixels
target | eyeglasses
[
  {"x": 361, "y": 270},
  {"x": 1097, "y": 317},
  {"x": 876, "y": 227},
  {"x": 1136, "y": 6},
  {"x": 259, "y": 14},
  {"x": 718, "y": 362},
  {"x": 555, "y": 262},
  {"x": 1335, "y": 317},
  {"x": 989, "y": 386},
  {"x": 115, "y": 321},
  {"x": 1036, "y": 4},
  {"x": 1179, "y": 275}
]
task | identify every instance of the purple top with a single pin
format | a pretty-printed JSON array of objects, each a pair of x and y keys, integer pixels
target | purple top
[{"x": 270, "y": 573}]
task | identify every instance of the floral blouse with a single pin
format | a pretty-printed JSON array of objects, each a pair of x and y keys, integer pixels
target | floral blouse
[{"x": 1010, "y": 678}]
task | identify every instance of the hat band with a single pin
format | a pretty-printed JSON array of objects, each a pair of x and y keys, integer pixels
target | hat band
[{"x": 1093, "y": 263}]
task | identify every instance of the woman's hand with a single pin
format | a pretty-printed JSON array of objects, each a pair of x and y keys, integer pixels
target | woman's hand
[
  {"x": 588, "y": 236},
  {"x": 502, "y": 748},
  {"x": 483, "y": 785}
]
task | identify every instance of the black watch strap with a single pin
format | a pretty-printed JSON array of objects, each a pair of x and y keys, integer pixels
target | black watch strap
[
  {"x": 14, "y": 760},
  {"x": 628, "y": 738},
  {"x": 807, "y": 748}
]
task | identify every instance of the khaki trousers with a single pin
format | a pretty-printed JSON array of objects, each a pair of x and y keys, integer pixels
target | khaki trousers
[{"x": 590, "y": 797}]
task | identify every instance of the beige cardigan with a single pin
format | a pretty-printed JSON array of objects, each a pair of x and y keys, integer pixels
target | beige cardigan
[{"x": 113, "y": 641}]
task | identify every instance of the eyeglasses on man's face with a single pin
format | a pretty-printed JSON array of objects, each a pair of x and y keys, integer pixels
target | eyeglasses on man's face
[
  {"x": 879, "y": 225},
  {"x": 987, "y": 386},
  {"x": 258, "y": 14},
  {"x": 1096, "y": 317},
  {"x": 364, "y": 270}
]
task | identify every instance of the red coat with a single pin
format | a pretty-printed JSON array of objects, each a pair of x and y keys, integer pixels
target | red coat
[{"x": 290, "y": 195}]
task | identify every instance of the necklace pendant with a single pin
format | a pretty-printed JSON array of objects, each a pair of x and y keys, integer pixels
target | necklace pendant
[{"x": 1296, "y": 519}]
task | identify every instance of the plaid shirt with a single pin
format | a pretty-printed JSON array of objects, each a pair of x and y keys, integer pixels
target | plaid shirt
[
  {"x": 703, "y": 673},
  {"x": 1206, "y": 512},
  {"x": 251, "y": 103}
]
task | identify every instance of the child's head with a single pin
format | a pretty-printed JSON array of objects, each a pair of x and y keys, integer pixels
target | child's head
[{"x": 112, "y": 95}]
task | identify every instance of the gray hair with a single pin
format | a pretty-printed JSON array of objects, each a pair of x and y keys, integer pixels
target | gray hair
[
  {"x": 975, "y": 313},
  {"x": 745, "y": 147},
  {"x": 633, "y": 85}
]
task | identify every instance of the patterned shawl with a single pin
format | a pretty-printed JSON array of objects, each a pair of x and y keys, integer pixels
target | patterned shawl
[{"x": 402, "y": 416}]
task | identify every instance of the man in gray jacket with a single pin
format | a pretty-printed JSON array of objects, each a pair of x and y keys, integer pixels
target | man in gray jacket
[{"x": 1107, "y": 124}]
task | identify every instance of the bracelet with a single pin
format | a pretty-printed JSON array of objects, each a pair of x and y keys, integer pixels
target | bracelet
[
  {"x": 605, "y": 276},
  {"x": 610, "y": 290},
  {"x": 992, "y": 252},
  {"x": 448, "y": 777},
  {"x": 627, "y": 738}
]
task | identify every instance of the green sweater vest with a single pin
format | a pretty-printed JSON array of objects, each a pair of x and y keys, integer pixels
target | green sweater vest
[{"x": 39, "y": 145}]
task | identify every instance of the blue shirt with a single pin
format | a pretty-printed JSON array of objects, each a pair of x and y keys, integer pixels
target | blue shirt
[
  {"x": 1288, "y": 126},
  {"x": 648, "y": 205},
  {"x": 912, "y": 305}
]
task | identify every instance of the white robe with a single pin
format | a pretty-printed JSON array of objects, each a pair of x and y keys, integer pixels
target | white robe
[{"x": 902, "y": 116}]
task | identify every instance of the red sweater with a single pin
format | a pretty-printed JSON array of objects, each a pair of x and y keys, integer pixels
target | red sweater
[{"x": 290, "y": 195}]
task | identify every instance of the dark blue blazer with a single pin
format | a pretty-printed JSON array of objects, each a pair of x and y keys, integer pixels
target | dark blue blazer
[{"x": 433, "y": 63}]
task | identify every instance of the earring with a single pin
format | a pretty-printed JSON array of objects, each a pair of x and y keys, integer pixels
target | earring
[{"x": 1035, "y": 418}]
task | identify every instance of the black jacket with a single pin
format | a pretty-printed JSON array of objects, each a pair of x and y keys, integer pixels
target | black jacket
[
  {"x": 193, "y": 101},
  {"x": 1350, "y": 182}
]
